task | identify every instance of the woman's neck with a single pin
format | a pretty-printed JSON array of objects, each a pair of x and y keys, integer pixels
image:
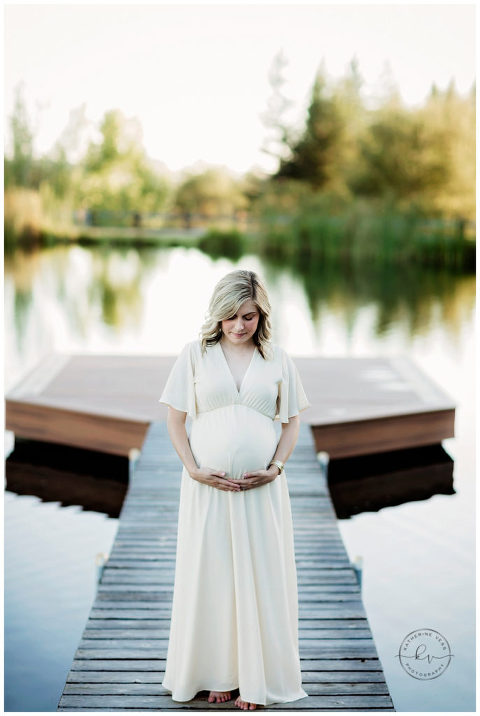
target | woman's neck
[{"x": 239, "y": 348}]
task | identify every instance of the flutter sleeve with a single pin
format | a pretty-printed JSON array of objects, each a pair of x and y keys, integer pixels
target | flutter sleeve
[
  {"x": 179, "y": 390},
  {"x": 291, "y": 395}
]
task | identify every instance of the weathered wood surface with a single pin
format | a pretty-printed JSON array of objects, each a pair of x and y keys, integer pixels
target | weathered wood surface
[
  {"x": 102, "y": 402},
  {"x": 119, "y": 663}
]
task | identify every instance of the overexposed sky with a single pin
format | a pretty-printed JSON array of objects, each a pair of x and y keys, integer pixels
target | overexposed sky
[{"x": 196, "y": 76}]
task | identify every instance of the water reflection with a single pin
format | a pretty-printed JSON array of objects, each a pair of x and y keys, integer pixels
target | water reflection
[
  {"x": 91, "y": 290},
  {"x": 368, "y": 483},
  {"x": 69, "y": 476}
]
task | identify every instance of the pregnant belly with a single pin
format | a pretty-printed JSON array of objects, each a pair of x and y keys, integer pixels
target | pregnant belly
[{"x": 234, "y": 439}]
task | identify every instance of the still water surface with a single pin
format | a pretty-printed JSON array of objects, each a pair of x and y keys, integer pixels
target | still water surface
[{"x": 418, "y": 557}]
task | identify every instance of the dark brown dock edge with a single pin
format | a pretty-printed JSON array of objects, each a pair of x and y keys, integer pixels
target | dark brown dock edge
[{"x": 119, "y": 663}]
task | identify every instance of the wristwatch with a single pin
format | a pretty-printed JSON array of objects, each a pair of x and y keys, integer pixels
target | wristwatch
[{"x": 279, "y": 464}]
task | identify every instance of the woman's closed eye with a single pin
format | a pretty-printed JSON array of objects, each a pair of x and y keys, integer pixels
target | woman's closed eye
[{"x": 247, "y": 318}]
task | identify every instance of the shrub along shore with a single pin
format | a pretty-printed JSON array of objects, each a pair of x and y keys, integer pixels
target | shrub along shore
[{"x": 376, "y": 238}]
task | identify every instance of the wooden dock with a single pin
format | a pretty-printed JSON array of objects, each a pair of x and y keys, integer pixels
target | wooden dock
[
  {"x": 110, "y": 404},
  {"x": 120, "y": 661},
  {"x": 102, "y": 402}
]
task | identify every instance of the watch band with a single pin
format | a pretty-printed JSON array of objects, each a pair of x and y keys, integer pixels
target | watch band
[{"x": 279, "y": 464}]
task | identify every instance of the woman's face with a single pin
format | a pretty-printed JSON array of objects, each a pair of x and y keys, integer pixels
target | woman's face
[{"x": 241, "y": 327}]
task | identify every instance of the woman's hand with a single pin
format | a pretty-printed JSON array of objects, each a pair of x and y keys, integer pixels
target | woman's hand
[
  {"x": 256, "y": 478},
  {"x": 214, "y": 478}
]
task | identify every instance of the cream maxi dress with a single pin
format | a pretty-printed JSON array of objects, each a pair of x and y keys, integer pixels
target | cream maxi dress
[{"x": 234, "y": 620}]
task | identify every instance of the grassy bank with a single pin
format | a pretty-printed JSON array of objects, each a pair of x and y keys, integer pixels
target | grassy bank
[{"x": 358, "y": 232}]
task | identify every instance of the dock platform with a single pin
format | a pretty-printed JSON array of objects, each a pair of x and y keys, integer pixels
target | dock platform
[
  {"x": 103, "y": 402},
  {"x": 120, "y": 661}
]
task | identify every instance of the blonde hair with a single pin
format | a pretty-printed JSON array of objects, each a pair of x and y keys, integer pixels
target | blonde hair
[{"x": 228, "y": 295}]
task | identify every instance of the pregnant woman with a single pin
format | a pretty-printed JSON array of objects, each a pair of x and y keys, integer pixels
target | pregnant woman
[{"x": 234, "y": 617}]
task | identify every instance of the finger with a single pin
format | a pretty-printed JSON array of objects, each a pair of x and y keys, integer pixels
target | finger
[
  {"x": 231, "y": 481},
  {"x": 219, "y": 476},
  {"x": 226, "y": 481},
  {"x": 248, "y": 483},
  {"x": 227, "y": 486}
]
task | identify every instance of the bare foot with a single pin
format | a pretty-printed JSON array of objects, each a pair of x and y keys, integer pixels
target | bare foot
[
  {"x": 246, "y": 705},
  {"x": 219, "y": 696}
]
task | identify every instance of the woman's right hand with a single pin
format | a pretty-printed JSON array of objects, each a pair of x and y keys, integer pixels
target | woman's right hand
[{"x": 214, "y": 478}]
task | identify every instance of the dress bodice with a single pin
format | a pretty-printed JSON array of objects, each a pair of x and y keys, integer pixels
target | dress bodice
[{"x": 201, "y": 382}]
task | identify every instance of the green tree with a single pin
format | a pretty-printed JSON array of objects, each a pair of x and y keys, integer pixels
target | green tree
[
  {"x": 278, "y": 143},
  {"x": 351, "y": 109},
  {"x": 211, "y": 193},
  {"x": 315, "y": 157},
  {"x": 18, "y": 168},
  {"x": 400, "y": 158},
  {"x": 451, "y": 118},
  {"x": 56, "y": 171},
  {"x": 421, "y": 158},
  {"x": 116, "y": 174},
  {"x": 120, "y": 139}
]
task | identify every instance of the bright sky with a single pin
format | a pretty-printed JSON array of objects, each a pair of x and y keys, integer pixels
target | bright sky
[{"x": 196, "y": 76}]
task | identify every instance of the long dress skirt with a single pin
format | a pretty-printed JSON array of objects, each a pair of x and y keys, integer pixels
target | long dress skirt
[{"x": 234, "y": 617}]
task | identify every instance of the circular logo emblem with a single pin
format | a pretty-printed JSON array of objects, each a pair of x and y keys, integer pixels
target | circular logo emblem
[{"x": 424, "y": 654}]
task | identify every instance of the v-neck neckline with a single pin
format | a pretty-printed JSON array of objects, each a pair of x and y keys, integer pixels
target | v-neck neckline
[{"x": 230, "y": 372}]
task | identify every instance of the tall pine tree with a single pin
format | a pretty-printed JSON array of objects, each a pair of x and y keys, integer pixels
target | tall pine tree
[{"x": 314, "y": 158}]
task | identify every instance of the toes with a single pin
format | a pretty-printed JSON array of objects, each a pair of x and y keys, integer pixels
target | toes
[
  {"x": 245, "y": 705},
  {"x": 218, "y": 696}
]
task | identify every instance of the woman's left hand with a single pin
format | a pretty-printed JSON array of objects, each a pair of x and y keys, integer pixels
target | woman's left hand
[{"x": 256, "y": 478}]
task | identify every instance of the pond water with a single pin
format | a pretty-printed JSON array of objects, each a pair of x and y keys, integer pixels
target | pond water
[{"x": 418, "y": 556}]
